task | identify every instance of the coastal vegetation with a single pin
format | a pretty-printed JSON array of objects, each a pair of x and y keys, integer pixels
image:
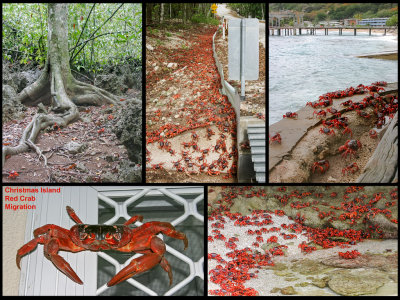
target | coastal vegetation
[{"x": 316, "y": 12}]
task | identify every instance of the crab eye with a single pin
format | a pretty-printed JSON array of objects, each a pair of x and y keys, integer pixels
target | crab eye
[
  {"x": 82, "y": 235},
  {"x": 117, "y": 236}
]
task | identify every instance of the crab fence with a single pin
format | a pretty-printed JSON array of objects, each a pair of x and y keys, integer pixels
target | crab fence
[{"x": 183, "y": 207}]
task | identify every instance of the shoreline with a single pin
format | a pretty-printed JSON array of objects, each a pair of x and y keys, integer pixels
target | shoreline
[{"x": 390, "y": 55}]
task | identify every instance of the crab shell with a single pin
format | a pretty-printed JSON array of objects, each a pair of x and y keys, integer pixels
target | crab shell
[{"x": 100, "y": 237}]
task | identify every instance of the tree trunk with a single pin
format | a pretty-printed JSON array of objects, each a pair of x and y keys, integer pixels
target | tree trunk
[
  {"x": 56, "y": 86},
  {"x": 149, "y": 13},
  {"x": 162, "y": 13}
]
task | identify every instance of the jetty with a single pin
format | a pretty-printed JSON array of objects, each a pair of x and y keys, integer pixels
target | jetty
[{"x": 301, "y": 30}]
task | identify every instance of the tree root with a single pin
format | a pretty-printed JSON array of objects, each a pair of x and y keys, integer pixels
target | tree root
[
  {"x": 64, "y": 108},
  {"x": 38, "y": 123}
]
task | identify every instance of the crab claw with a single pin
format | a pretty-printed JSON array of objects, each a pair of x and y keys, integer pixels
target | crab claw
[{"x": 137, "y": 266}]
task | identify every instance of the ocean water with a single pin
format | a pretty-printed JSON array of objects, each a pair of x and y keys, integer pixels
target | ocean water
[{"x": 301, "y": 68}]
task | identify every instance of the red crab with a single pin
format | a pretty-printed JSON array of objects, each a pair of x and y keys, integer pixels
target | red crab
[
  {"x": 276, "y": 137},
  {"x": 350, "y": 168},
  {"x": 290, "y": 115},
  {"x": 363, "y": 114},
  {"x": 327, "y": 131},
  {"x": 373, "y": 134},
  {"x": 350, "y": 147},
  {"x": 323, "y": 166},
  {"x": 121, "y": 238},
  {"x": 319, "y": 113}
]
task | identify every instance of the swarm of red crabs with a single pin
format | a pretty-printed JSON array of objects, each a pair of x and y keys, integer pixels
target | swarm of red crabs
[
  {"x": 206, "y": 120},
  {"x": 121, "y": 238},
  {"x": 239, "y": 265},
  {"x": 336, "y": 126}
]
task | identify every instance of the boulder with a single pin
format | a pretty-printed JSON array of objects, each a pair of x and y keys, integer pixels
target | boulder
[
  {"x": 382, "y": 166},
  {"x": 362, "y": 282},
  {"x": 129, "y": 130},
  {"x": 11, "y": 108}
]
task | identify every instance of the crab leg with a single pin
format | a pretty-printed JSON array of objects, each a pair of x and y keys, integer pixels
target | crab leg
[
  {"x": 28, "y": 247},
  {"x": 133, "y": 220},
  {"x": 165, "y": 228},
  {"x": 73, "y": 215},
  {"x": 144, "y": 263},
  {"x": 51, "y": 253}
]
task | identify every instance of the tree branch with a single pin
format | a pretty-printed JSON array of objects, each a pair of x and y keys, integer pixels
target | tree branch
[
  {"x": 83, "y": 29},
  {"x": 72, "y": 59}
]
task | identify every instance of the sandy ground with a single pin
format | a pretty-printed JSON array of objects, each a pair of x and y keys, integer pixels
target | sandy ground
[{"x": 266, "y": 279}]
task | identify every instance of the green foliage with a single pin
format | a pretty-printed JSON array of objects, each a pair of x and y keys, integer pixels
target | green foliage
[
  {"x": 198, "y": 18},
  {"x": 253, "y": 10},
  {"x": 25, "y": 33},
  {"x": 340, "y": 11},
  {"x": 392, "y": 21}
]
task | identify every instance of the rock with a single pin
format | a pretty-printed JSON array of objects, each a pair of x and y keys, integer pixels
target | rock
[
  {"x": 382, "y": 166},
  {"x": 302, "y": 284},
  {"x": 11, "y": 108},
  {"x": 389, "y": 229},
  {"x": 81, "y": 167},
  {"x": 309, "y": 267},
  {"x": 331, "y": 179},
  {"x": 321, "y": 283},
  {"x": 149, "y": 47},
  {"x": 25, "y": 78},
  {"x": 74, "y": 147},
  {"x": 378, "y": 261},
  {"x": 275, "y": 290},
  {"x": 130, "y": 172},
  {"x": 113, "y": 83},
  {"x": 129, "y": 130},
  {"x": 361, "y": 282},
  {"x": 172, "y": 65},
  {"x": 291, "y": 278},
  {"x": 289, "y": 290}
]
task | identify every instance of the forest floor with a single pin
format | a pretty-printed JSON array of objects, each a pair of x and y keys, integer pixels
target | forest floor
[
  {"x": 190, "y": 126},
  {"x": 97, "y": 161}
]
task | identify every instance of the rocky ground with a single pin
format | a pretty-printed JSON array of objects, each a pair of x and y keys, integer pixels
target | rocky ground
[
  {"x": 303, "y": 144},
  {"x": 294, "y": 271},
  {"x": 104, "y": 145}
]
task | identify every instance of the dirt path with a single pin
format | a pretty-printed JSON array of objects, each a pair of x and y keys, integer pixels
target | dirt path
[{"x": 190, "y": 126}]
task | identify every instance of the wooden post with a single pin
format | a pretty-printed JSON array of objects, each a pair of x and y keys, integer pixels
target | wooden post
[
  {"x": 370, "y": 31},
  {"x": 355, "y": 31}
]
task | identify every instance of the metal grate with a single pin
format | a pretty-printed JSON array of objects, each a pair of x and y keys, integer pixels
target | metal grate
[
  {"x": 256, "y": 133},
  {"x": 113, "y": 205}
]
